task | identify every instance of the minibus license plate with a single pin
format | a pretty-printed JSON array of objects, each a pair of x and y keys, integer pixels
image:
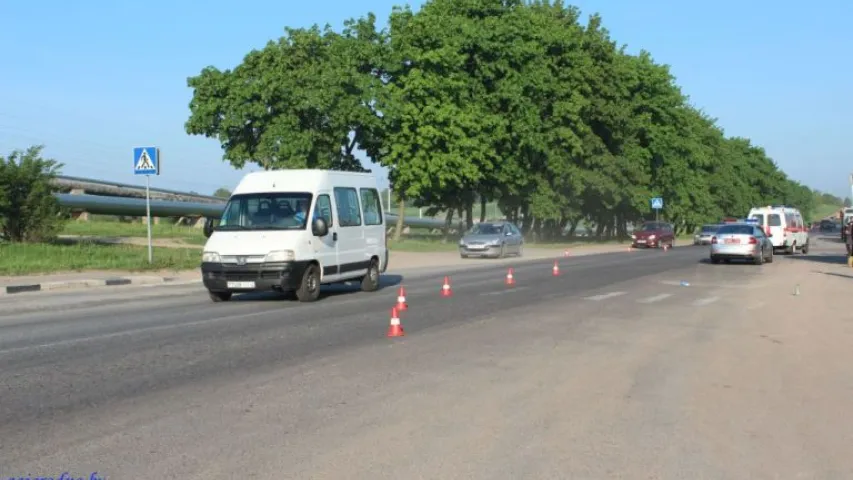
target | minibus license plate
[{"x": 241, "y": 284}]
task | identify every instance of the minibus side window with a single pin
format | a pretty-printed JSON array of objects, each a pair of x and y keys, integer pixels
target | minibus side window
[
  {"x": 349, "y": 211},
  {"x": 323, "y": 209},
  {"x": 372, "y": 206}
]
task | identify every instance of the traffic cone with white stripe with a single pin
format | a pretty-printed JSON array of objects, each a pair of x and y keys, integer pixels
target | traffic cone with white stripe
[
  {"x": 395, "y": 329},
  {"x": 401, "y": 300},
  {"x": 510, "y": 279},
  {"x": 556, "y": 270},
  {"x": 446, "y": 291}
]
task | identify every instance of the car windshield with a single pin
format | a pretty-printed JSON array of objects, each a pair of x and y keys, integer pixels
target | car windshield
[
  {"x": 486, "y": 229},
  {"x": 266, "y": 211},
  {"x": 735, "y": 230},
  {"x": 650, "y": 227},
  {"x": 709, "y": 228}
]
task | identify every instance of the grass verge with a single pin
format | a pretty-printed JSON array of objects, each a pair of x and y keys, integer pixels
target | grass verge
[
  {"x": 823, "y": 211},
  {"x": 24, "y": 259},
  {"x": 125, "y": 229}
]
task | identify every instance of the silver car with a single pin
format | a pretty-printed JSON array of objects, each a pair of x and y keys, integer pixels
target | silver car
[
  {"x": 492, "y": 239},
  {"x": 742, "y": 241},
  {"x": 703, "y": 236}
]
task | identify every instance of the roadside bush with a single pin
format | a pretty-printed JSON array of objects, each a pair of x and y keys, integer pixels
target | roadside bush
[{"x": 28, "y": 210}]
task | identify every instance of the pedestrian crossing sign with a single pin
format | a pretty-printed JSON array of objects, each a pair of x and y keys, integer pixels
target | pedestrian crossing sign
[{"x": 146, "y": 161}]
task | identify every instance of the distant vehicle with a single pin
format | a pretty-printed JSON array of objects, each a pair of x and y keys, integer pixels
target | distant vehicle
[
  {"x": 294, "y": 230},
  {"x": 827, "y": 226},
  {"x": 653, "y": 235},
  {"x": 741, "y": 241},
  {"x": 785, "y": 227},
  {"x": 703, "y": 236},
  {"x": 492, "y": 239}
]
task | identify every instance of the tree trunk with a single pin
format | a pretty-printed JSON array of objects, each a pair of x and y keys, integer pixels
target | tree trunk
[
  {"x": 483, "y": 205},
  {"x": 469, "y": 215},
  {"x": 448, "y": 223},
  {"x": 401, "y": 212}
]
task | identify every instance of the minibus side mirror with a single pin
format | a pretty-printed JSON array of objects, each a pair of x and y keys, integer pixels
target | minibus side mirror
[
  {"x": 208, "y": 227},
  {"x": 319, "y": 227}
]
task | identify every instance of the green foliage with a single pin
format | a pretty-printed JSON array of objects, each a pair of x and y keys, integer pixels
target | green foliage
[
  {"x": 222, "y": 192},
  {"x": 28, "y": 210},
  {"x": 512, "y": 101}
]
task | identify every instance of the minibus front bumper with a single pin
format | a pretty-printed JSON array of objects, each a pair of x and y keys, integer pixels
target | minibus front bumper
[{"x": 278, "y": 276}]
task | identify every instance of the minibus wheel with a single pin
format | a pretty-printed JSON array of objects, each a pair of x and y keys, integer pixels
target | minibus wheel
[
  {"x": 309, "y": 288},
  {"x": 219, "y": 296},
  {"x": 370, "y": 282}
]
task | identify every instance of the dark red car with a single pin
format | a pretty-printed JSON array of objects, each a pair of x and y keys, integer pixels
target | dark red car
[{"x": 653, "y": 235}]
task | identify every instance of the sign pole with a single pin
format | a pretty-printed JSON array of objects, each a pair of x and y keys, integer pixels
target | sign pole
[
  {"x": 148, "y": 216},
  {"x": 146, "y": 161},
  {"x": 851, "y": 186}
]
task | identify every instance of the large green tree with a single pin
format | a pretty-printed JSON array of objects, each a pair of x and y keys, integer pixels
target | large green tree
[{"x": 466, "y": 101}]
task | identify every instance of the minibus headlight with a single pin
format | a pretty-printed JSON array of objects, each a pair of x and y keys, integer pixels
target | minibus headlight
[
  {"x": 279, "y": 256},
  {"x": 210, "y": 257}
]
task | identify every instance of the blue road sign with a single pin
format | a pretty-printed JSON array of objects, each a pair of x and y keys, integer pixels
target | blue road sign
[
  {"x": 657, "y": 203},
  {"x": 146, "y": 161}
]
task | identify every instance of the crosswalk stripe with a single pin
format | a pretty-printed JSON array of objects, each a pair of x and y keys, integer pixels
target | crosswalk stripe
[
  {"x": 656, "y": 298},
  {"x": 604, "y": 296},
  {"x": 705, "y": 301}
]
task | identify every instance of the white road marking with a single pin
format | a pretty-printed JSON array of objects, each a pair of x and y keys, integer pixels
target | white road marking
[
  {"x": 604, "y": 296},
  {"x": 755, "y": 306},
  {"x": 705, "y": 301},
  {"x": 750, "y": 286},
  {"x": 656, "y": 298},
  {"x": 507, "y": 290}
]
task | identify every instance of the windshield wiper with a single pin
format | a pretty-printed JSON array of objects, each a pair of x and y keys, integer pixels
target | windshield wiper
[{"x": 231, "y": 227}]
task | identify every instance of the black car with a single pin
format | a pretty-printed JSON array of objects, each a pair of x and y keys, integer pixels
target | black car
[{"x": 827, "y": 226}]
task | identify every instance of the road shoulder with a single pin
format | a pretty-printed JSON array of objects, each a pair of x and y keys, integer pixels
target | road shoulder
[{"x": 400, "y": 262}]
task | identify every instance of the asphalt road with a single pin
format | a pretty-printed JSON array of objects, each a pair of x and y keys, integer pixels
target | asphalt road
[{"x": 160, "y": 381}]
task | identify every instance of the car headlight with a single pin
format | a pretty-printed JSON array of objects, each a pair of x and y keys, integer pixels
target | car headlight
[
  {"x": 495, "y": 241},
  {"x": 280, "y": 256},
  {"x": 210, "y": 257}
]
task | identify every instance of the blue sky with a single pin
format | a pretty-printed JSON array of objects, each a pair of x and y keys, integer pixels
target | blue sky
[{"x": 91, "y": 79}]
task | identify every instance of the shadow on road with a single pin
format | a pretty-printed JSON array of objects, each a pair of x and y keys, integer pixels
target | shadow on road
[
  {"x": 385, "y": 281},
  {"x": 833, "y": 274},
  {"x": 825, "y": 259},
  {"x": 734, "y": 261}
]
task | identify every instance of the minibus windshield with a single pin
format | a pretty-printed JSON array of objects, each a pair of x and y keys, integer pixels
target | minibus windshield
[{"x": 266, "y": 211}]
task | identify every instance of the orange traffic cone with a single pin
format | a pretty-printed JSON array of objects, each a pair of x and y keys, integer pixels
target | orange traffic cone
[
  {"x": 401, "y": 300},
  {"x": 556, "y": 270},
  {"x": 510, "y": 279},
  {"x": 395, "y": 329},
  {"x": 445, "y": 288}
]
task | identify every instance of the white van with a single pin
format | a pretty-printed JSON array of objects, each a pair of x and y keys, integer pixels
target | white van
[
  {"x": 263, "y": 241},
  {"x": 785, "y": 227}
]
